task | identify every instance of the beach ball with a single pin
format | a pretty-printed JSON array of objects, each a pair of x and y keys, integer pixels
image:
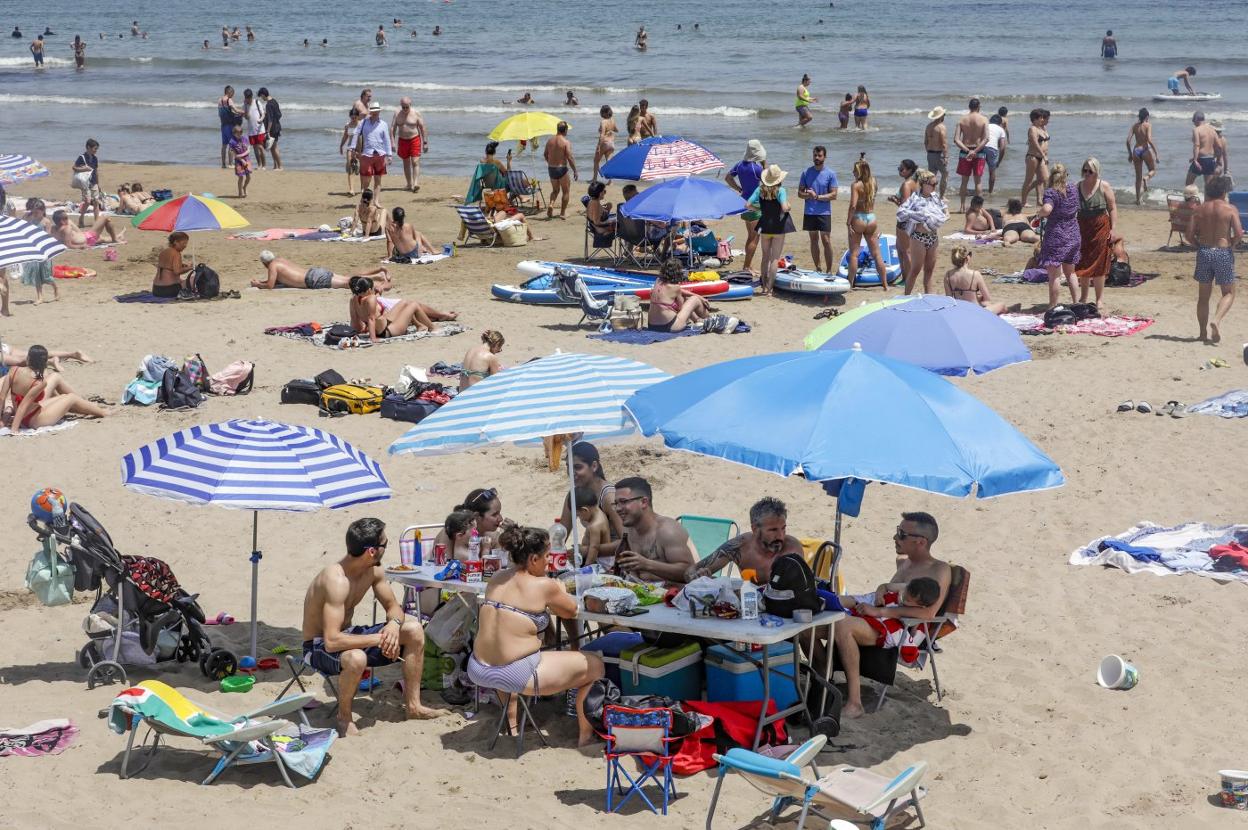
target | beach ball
[{"x": 48, "y": 505}]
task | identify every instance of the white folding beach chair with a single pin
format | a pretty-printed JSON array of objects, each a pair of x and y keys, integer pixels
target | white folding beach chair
[{"x": 844, "y": 792}]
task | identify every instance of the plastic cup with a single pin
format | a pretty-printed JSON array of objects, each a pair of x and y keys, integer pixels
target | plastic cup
[{"x": 1116, "y": 673}]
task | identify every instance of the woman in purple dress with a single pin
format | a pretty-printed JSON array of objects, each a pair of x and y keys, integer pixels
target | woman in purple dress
[{"x": 1059, "y": 250}]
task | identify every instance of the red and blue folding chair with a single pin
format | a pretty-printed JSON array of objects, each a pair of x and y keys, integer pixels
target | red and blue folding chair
[{"x": 644, "y": 735}]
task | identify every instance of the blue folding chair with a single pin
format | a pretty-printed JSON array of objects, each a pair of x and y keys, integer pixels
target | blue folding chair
[
  {"x": 474, "y": 224},
  {"x": 644, "y": 735}
]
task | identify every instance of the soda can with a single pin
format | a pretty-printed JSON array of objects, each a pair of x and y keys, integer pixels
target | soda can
[{"x": 439, "y": 554}]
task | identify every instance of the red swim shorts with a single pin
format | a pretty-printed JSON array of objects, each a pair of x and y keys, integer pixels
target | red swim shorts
[
  {"x": 971, "y": 167},
  {"x": 372, "y": 165},
  {"x": 409, "y": 148},
  {"x": 256, "y": 140}
]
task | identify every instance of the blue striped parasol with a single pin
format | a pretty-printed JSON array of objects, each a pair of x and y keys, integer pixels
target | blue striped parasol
[
  {"x": 23, "y": 242},
  {"x": 255, "y": 465},
  {"x": 15, "y": 168}
]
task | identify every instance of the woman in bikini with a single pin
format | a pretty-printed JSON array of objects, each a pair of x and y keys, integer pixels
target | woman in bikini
[
  {"x": 908, "y": 171},
  {"x": 672, "y": 308},
  {"x": 170, "y": 270},
  {"x": 633, "y": 123},
  {"x": 923, "y": 214},
  {"x": 1144, "y": 152},
  {"x": 1037, "y": 158},
  {"x": 1016, "y": 225},
  {"x": 515, "y": 613},
  {"x": 40, "y": 399},
  {"x": 481, "y": 361},
  {"x": 127, "y": 204},
  {"x": 367, "y": 219},
  {"x": 606, "y": 139},
  {"x": 403, "y": 239},
  {"x": 862, "y": 108},
  {"x": 860, "y": 220},
  {"x": 378, "y": 317},
  {"x": 587, "y": 472},
  {"x": 964, "y": 283}
]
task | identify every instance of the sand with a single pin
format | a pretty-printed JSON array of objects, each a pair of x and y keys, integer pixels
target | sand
[{"x": 1024, "y": 736}]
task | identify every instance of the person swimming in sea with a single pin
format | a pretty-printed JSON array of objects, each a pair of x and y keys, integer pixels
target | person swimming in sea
[{"x": 1109, "y": 45}]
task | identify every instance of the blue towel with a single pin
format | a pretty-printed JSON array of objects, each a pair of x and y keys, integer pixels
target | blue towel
[
  {"x": 1143, "y": 554},
  {"x": 1233, "y": 404},
  {"x": 143, "y": 297}
]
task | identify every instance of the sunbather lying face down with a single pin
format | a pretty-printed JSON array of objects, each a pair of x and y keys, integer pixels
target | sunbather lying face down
[{"x": 284, "y": 273}]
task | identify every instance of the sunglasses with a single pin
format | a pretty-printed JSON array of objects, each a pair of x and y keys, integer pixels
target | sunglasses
[
  {"x": 486, "y": 496},
  {"x": 901, "y": 534},
  {"x": 630, "y": 499}
]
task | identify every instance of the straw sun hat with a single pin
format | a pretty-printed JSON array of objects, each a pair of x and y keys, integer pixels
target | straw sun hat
[
  {"x": 773, "y": 175},
  {"x": 937, "y": 112}
]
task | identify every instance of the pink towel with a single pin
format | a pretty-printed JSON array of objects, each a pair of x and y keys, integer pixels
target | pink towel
[{"x": 47, "y": 737}]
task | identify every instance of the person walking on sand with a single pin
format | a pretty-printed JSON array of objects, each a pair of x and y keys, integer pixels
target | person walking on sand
[
  {"x": 1059, "y": 248},
  {"x": 1204, "y": 161},
  {"x": 272, "y": 125},
  {"x": 803, "y": 102},
  {"x": 374, "y": 148},
  {"x": 744, "y": 178},
  {"x": 407, "y": 133},
  {"x": 241, "y": 149},
  {"x": 1109, "y": 45},
  {"x": 228, "y": 114},
  {"x": 936, "y": 143},
  {"x": 559, "y": 159},
  {"x": 971, "y": 137},
  {"x": 1144, "y": 152},
  {"x": 361, "y": 104},
  {"x": 1036, "y": 160},
  {"x": 255, "y": 126},
  {"x": 1216, "y": 228},
  {"x": 350, "y": 137},
  {"x": 606, "y": 138},
  {"x": 817, "y": 187}
]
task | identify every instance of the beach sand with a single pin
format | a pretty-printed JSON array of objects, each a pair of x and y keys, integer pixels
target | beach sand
[{"x": 1024, "y": 736}]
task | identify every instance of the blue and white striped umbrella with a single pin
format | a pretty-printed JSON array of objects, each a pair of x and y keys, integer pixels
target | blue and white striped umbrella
[
  {"x": 23, "y": 242},
  {"x": 15, "y": 168},
  {"x": 557, "y": 395},
  {"x": 255, "y": 465}
]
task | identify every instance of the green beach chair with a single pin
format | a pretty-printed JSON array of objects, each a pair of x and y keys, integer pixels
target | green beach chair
[{"x": 708, "y": 532}]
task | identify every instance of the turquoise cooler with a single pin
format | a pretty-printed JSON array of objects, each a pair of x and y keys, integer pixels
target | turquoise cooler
[
  {"x": 732, "y": 676},
  {"x": 672, "y": 672}
]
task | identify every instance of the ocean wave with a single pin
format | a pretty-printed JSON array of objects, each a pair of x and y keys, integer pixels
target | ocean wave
[
  {"x": 7, "y": 98},
  {"x": 504, "y": 109},
  {"x": 421, "y": 86},
  {"x": 28, "y": 61}
]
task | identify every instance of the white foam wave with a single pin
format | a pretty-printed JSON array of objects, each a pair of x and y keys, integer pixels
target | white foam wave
[
  {"x": 722, "y": 112},
  {"x": 47, "y": 61},
  {"x": 421, "y": 86},
  {"x": 6, "y": 98}
]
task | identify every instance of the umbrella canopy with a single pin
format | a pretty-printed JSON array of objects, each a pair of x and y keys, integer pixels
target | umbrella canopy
[
  {"x": 189, "y": 213},
  {"x": 844, "y": 414},
  {"x": 255, "y": 465},
  {"x": 15, "y": 168},
  {"x": 941, "y": 334},
  {"x": 684, "y": 200},
  {"x": 556, "y": 395},
  {"x": 525, "y": 126},
  {"x": 820, "y": 334},
  {"x": 23, "y": 242},
  {"x": 660, "y": 157}
]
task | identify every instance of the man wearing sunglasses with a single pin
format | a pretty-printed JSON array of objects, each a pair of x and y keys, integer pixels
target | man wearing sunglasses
[
  {"x": 913, "y": 541},
  {"x": 654, "y": 548},
  {"x": 333, "y": 646}
]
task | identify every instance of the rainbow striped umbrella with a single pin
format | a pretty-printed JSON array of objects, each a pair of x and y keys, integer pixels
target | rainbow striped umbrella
[
  {"x": 189, "y": 213},
  {"x": 660, "y": 157}
]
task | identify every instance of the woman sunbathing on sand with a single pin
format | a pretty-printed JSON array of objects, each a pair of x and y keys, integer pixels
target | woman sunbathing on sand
[
  {"x": 481, "y": 361},
  {"x": 672, "y": 308},
  {"x": 379, "y": 317},
  {"x": 38, "y": 401},
  {"x": 11, "y": 356},
  {"x": 403, "y": 239},
  {"x": 965, "y": 283}
]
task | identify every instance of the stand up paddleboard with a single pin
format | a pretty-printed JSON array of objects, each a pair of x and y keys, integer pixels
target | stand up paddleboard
[
  {"x": 539, "y": 289},
  {"x": 1187, "y": 99},
  {"x": 867, "y": 272}
]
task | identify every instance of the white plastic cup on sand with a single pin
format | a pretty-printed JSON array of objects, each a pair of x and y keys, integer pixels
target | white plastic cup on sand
[
  {"x": 1234, "y": 788},
  {"x": 1117, "y": 673}
]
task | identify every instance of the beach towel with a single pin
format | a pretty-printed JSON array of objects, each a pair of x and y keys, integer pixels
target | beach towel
[
  {"x": 318, "y": 339},
  {"x": 5, "y": 432},
  {"x": 340, "y": 238},
  {"x": 47, "y": 737},
  {"x": 425, "y": 259},
  {"x": 972, "y": 238},
  {"x": 644, "y": 337},
  {"x": 271, "y": 235},
  {"x": 1116, "y": 326},
  {"x": 1233, "y": 404},
  {"x": 1038, "y": 276},
  {"x": 1025, "y": 323},
  {"x": 149, "y": 297},
  {"x": 1192, "y": 547}
]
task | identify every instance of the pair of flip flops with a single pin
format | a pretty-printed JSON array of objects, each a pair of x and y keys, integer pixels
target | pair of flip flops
[
  {"x": 1143, "y": 407},
  {"x": 1174, "y": 409}
]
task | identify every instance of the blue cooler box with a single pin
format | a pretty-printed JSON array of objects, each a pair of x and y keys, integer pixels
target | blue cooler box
[
  {"x": 610, "y": 646},
  {"x": 672, "y": 672},
  {"x": 732, "y": 676}
]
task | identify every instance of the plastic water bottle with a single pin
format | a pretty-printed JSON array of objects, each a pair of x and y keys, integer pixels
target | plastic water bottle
[
  {"x": 474, "y": 544},
  {"x": 748, "y": 596},
  {"x": 558, "y": 538}
]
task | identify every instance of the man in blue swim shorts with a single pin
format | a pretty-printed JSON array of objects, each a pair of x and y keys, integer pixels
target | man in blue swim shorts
[
  {"x": 1216, "y": 229},
  {"x": 1204, "y": 150},
  {"x": 1182, "y": 79}
]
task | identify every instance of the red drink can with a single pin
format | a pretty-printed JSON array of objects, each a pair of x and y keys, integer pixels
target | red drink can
[{"x": 439, "y": 554}]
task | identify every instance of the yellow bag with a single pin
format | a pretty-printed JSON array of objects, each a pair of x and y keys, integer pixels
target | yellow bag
[
  {"x": 703, "y": 276},
  {"x": 351, "y": 399}
]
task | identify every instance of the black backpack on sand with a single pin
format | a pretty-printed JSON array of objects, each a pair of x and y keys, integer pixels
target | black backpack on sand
[{"x": 204, "y": 283}]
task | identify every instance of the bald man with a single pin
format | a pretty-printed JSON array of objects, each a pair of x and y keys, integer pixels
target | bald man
[{"x": 407, "y": 133}]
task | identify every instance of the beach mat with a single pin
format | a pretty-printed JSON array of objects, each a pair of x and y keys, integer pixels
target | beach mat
[
  {"x": 46, "y": 737},
  {"x": 1038, "y": 276},
  {"x": 5, "y": 432},
  {"x": 149, "y": 297},
  {"x": 318, "y": 339},
  {"x": 270, "y": 234},
  {"x": 1232, "y": 404},
  {"x": 1116, "y": 326},
  {"x": 1188, "y": 548},
  {"x": 423, "y": 260},
  {"x": 644, "y": 337}
]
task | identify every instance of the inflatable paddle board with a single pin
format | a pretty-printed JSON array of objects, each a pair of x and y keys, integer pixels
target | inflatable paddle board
[
  {"x": 1187, "y": 99},
  {"x": 801, "y": 281},
  {"x": 540, "y": 290},
  {"x": 867, "y": 273},
  {"x": 606, "y": 280}
]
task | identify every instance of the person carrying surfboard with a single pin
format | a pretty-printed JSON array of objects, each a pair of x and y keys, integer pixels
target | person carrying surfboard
[{"x": 1183, "y": 76}]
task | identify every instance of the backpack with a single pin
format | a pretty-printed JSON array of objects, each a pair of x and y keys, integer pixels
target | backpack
[
  {"x": 792, "y": 586},
  {"x": 204, "y": 282},
  {"x": 153, "y": 367},
  {"x": 1059, "y": 315},
  {"x": 177, "y": 391},
  {"x": 351, "y": 399},
  {"x": 196, "y": 372},
  {"x": 235, "y": 379},
  {"x": 1119, "y": 273},
  {"x": 339, "y": 332}
]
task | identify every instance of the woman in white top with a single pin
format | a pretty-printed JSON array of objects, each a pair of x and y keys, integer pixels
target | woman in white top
[{"x": 923, "y": 214}]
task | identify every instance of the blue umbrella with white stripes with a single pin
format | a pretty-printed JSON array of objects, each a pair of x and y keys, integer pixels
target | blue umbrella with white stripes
[
  {"x": 554, "y": 395},
  {"x": 15, "y": 168},
  {"x": 255, "y": 465},
  {"x": 23, "y": 242}
]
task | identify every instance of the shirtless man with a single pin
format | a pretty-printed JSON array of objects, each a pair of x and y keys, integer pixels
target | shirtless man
[
  {"x": 978, "y": 220},
  {"x": 654, "y": 548},
  {"x": 936, "y": 142},
  {"x": 757, "y": 549},
  {"x": 361, "y": 104},
  {"x": 913, "y": 540},
  {"x": 558, "y": 155},
  {"x": 80, "y": 240},
  {"x": 1221, "y": 156},
  {"x": 36, "y": 50},
  {"x": 971, "y": 136},
  {"x": 1215, "y": 227},
  {"x": 285, "y": 273},
  {"x": 402, "y": 238},
  {"x": 407, "y": 134},
  {"x": 331, "y": 644},
  {"x": 380, "y": 37},
  {"x": 647, "y": 124},
  {"x": 1204, "y": 161},
  {"x": 1183, "y": 76}
]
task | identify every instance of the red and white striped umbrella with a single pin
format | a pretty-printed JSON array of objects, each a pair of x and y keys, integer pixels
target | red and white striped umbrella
[{"x": 662, "y": 157}]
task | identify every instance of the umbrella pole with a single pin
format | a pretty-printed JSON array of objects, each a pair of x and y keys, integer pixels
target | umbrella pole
[
  {"x": 576, "y": 541},
  {"x": 256, "y": 556}
]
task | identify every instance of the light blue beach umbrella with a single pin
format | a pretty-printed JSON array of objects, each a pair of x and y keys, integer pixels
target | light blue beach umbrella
[
  {"x": 556, "y": 395},
  {"x": 684, "y": 200},
  {"x": 255, "y": 465}
]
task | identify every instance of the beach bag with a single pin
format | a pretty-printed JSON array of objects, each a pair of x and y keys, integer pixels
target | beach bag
[
  {"x": 352, "y": 399},
  {"x": 450, "y": 627},
  {"x": 511, "y": 235},
  {"x": 49, "y": 577},
  {"x": 81, "y": 180},
  {"x": 177, "y": 392},
  {"x": 603, "y": 693},
  {"x": 1119, "y": 273},
  {"x": 235, "y": 379},
  {"x": 204, "y": 282},
  {"x": 328, "y": 378},
  {"x": 792, "y": 586},
  {"x": 1059, "y": 315},
  {"x": 162, "y": 195},
  {"x": 413, "y": 411},
  {"x": 302, "y": 390},
  {"x": 337, "y": 333},
  {"x": 196, "y": 372},
  {"x": 153, "y": 367}
]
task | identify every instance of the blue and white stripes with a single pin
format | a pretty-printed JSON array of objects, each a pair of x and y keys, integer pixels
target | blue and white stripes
[
  {"x": 15, "y": 168},
  {"x": 23, "y": 242},
  {"x": 556, "y": 395},
  {"x": 255, "y": 465}
]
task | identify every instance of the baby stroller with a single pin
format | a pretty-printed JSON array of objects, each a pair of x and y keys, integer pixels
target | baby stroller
[{"x": 141, "y": 615}]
